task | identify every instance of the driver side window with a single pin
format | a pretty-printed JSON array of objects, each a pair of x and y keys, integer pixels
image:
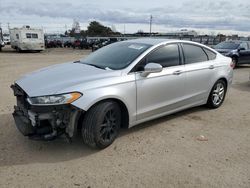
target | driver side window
[{"x": 166, "y": 56}]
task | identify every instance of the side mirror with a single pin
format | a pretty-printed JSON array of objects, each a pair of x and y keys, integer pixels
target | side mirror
[{"x": 151, "y": 68}]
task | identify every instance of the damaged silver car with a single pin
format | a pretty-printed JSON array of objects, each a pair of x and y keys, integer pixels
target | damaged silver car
[{"x": 120, "y": 85}]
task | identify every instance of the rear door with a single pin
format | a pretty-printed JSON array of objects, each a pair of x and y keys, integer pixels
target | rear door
[
  {"x": 159, "y": 93},
  {"x": 200, "y": 71}
]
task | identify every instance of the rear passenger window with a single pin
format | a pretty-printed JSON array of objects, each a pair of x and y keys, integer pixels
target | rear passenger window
[
  {"x": 167, "y": 56},
  {"x": 211, "y": 55},
  {"x": 194, "y": 54}
]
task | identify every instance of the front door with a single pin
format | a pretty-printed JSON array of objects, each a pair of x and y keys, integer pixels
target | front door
[
  {"x": 244, "y": 54},
  {"x": 160, "y": 93}
]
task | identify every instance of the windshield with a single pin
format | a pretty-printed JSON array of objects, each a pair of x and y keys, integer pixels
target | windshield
[
  {"x": 115, "y": 56},
  {"x": 227, "y": 45}
]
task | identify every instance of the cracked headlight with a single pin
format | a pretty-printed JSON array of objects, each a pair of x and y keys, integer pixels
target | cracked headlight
[{"x": 55, "y": 99}]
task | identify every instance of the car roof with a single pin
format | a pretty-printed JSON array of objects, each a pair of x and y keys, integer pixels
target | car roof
[
  {"x": 236, "y": 41},
  {"x": 152, "y": 41}
]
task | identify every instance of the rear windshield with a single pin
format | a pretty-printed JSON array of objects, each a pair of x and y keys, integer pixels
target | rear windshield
[
  {"x": 227, "y": 45},
  {"x": 116, "y": 56}
]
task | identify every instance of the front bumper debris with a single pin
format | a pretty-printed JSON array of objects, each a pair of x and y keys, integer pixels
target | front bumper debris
[
  {"x": 44, "y": 122},
  {"x": 23, "y": 123}
]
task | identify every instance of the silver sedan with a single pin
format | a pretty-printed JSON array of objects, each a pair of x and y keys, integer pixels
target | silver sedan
[{"x": 120, "y": 85}]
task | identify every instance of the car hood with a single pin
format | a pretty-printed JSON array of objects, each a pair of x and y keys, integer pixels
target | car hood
[{"x": 51, "y": 80}]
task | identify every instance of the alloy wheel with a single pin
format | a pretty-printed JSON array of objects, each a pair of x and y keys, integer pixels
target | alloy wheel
[
  {"x": 218, "y": 94},
  {"x": 109, "y": 127}
]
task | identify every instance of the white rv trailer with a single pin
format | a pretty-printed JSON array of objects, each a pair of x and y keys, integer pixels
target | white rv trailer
[
  {"x": 1, "y": 39},
  {"x": 26, "y": 38}
]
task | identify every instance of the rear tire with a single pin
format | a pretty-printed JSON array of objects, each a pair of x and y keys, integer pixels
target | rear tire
[
  {"x": 101, "y": 124},
  {"x": 19, "y": 50},
  {"x": 217, "y": 94}
]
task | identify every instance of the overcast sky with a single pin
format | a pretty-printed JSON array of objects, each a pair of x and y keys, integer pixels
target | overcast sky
[{"x": 225, "y": 16}]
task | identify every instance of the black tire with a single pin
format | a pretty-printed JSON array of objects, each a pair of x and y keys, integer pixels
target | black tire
[
  {"x": 216, "y": 94},
  {"x": 101, "y": 124},
  {"x": 19, "y": 50},
  {"x": 235, "y": 62}
]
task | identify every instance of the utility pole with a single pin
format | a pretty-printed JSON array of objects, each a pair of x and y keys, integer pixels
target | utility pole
[
  {"x": 151, "y": 20},
  {"x": 8, "y": 25},
  {"x": 124, "y": 30}
]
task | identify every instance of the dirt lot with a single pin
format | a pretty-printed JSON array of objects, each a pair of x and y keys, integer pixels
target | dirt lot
[{"x": 160, "y": 153}]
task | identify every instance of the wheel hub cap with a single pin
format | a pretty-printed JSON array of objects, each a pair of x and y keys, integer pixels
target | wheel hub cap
[
  {"x": 218, "y": 94},
  {"x": 108, "y": 128}
]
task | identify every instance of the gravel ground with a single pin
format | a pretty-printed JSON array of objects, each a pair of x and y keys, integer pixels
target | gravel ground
[{"x": 160, "y": 153}]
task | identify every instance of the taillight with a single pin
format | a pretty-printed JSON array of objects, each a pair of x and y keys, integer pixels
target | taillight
[{"x": 232, "y": 64}]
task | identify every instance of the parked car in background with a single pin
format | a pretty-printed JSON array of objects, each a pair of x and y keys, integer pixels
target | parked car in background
[
  {"x": 67, "y": 44},
  {"x": 59, "y": 44},
  {"x": 81, "y": 44},
  {"x": 101, "y": 43},
  {"x": 120, "y": 85},
  {"x": 239, "y": 51},
  {"x": 76, "y": 44},
  {"x": 53, "y": 44},
  {"x": 97, "y": 45}
]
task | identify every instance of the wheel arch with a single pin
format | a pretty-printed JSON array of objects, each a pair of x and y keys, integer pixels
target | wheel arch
[
  {"x": 122, "y": 105},
  {"x": 221, "y": 78},
  {"x": 225, "y": 80}
]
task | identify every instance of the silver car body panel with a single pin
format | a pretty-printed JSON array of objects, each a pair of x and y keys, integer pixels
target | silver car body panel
[{"x": 146, "y": 98}]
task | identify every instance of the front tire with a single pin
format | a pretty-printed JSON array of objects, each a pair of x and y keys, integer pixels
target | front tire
[
  {"x": 101, "y": 124},
  {"x": 217, "y": 94}
]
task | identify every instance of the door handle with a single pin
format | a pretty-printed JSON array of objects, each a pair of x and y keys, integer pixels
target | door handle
[
  {"x": 211, "y": 67},
  {"x": 177, "y": 72}
]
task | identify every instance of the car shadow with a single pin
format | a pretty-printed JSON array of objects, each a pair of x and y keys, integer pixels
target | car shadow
[
  {"x": 163, "y": 119},
  {"x": 243, "y": 86},
  {"x": 15, "y": 149}
]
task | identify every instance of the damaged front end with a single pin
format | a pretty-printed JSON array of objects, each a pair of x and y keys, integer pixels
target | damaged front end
[{"x": 45, "y": 122}]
